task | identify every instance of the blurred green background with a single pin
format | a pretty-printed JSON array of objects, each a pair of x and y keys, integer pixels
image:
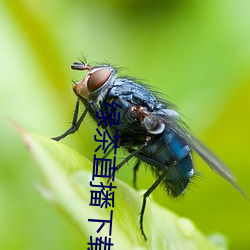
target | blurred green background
[{"x": 195, "y": 52}]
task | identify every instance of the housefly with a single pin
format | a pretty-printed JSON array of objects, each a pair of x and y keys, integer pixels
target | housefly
[{"x": 150, "y": 129}]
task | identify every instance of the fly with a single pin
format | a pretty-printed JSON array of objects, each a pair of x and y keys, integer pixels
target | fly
[{"x": 150, "y": 129}]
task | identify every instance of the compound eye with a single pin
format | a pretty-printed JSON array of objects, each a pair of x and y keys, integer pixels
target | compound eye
[{"x": 97, "y": 79}]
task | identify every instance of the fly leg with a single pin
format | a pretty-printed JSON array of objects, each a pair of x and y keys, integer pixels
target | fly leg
[
  {"x": 145, "y": 196},
  {"x": 75, "y": 123},
  {"x": 136, "y": 167}
]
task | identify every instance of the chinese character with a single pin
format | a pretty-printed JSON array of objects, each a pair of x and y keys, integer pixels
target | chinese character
[
  {"x": 101, "y": 198},
  {"x": 103, "y": 223},
  {"x": 98, "y": 244},
  {"x": 104, "y": 141},
  {"x": 110, "y": 117},
  {"x": 105, "y": 168}
]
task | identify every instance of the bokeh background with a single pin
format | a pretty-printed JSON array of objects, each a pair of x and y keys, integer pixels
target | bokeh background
[{"x": 195, "y": 52}]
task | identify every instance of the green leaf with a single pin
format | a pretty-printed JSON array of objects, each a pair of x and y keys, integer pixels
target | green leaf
[{"x": 67, "y": 176}]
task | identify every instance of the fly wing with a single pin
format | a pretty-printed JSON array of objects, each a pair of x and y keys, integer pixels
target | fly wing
[
  {"x": 208, "y": 156},
  {"x": 174, "y": 123}
]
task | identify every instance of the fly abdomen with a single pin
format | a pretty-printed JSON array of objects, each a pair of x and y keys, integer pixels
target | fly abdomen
[
  {"x": 178, "y": 149},
  {"x": 172, "y": 155},
  {"x": 180, "y": 166}
]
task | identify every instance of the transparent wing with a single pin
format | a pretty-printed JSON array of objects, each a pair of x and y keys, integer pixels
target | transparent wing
[
  {"x": 175, "y": 124},
  {"x": 207, "y": 155}
]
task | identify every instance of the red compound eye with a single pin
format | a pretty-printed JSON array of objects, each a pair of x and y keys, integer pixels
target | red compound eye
[{"x": 97, "y": 79}]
